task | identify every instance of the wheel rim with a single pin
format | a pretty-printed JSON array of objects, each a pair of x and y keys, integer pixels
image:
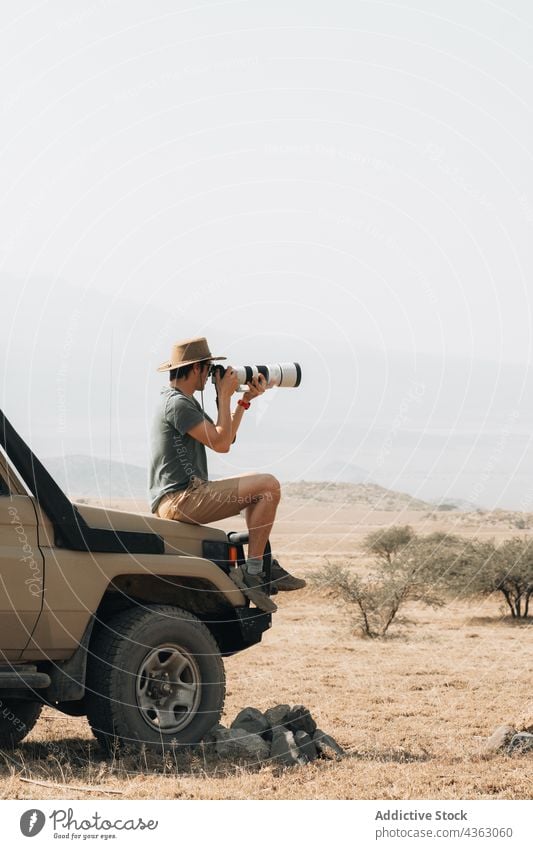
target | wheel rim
[{"x": 168, "y": 688}]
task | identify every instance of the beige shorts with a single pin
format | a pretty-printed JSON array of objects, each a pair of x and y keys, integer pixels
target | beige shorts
[{"x": 203, "y": 502}]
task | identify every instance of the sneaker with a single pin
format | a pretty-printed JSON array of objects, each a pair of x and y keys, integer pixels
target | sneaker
[
  {"x": 251, "y": 586},
  {"x": 283, "y": 580}
]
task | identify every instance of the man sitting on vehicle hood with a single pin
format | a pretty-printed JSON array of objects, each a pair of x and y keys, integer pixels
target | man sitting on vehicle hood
[{"x": 179, "y": 484}]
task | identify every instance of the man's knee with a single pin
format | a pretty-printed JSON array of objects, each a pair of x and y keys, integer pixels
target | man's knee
[
  {"x": 273, "y": 488},
  {"x": 269, "y": 485},
  {"x": 261, "y": 486}
]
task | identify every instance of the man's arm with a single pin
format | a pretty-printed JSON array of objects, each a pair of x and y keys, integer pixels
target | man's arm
[
  {"x": 216, "y": 436},
  {"x": 256, "y": 387},
  {"x": 236, "y": 419},
  {"x": 219, "y": 436}
]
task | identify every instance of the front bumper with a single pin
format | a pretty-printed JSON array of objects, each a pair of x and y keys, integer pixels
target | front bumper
[{"x": 244, "y": 629}]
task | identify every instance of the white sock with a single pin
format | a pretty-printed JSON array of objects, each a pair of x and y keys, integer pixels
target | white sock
[{"x": 254, "y": 565}]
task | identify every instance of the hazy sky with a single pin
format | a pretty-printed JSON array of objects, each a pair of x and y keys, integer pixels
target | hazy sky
[{"x": 296, "y": 180}]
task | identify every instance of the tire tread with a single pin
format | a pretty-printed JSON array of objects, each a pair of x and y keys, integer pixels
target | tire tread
[{"x": 10, "y": 736}]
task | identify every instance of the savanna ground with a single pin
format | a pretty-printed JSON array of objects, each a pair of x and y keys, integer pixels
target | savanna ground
[{"x": 411, "y": 710}]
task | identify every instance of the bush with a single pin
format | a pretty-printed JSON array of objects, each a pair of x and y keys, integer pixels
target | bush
[
  {"x": 450, "y": 563},
  {"x": 429, "y": 569},
  {"x": 468, "y": 567},
  {"x": 375, "y": 600},
  {"x": 509, "y": 570},
  {"x": 453, "y": 565},
  {"x": 387, "y": 544}
]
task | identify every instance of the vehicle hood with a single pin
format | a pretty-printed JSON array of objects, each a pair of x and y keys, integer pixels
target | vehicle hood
[{"x": 178, "y": 536}]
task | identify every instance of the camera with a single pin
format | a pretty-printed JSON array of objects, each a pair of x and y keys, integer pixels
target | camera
[{"x": 275, "y": 374}]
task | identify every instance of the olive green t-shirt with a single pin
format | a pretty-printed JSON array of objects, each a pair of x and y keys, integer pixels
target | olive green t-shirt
[{"x": 175, "y": 456}]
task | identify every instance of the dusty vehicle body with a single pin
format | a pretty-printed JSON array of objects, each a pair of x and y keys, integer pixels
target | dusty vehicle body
[{"x": 121, "y": 617}]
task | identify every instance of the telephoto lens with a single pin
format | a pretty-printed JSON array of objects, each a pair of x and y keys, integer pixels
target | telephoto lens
[{"x": 275, "y": 374}]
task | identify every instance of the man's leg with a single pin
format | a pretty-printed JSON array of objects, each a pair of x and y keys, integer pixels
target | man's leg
[
  {"x": 260, "y": 515},
  {"x": 260, "y": 495},
  {"x": 215, "y": 500}
]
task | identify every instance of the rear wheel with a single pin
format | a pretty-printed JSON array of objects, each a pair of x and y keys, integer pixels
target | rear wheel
[
  {"x": 17, "y": 718},
  {"x": 154, "y": 677}
]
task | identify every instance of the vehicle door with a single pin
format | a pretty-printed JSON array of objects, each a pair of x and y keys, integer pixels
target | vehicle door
[{"x": 21, "y": 571}]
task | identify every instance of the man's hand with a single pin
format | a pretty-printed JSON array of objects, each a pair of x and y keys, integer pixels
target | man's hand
[
  {"x": 256, "y": 387},
  {"x": 228, "y": 384}
]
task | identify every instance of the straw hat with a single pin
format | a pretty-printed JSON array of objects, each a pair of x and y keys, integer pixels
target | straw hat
[{"x": 189, "y": 351}]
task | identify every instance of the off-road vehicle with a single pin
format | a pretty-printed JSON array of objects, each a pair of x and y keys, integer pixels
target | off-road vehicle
[{"x": 122, "y": 617}]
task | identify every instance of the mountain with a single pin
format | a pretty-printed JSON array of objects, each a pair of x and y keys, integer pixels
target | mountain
[
  {"x": 459, "y": 504},
  {"x": 82, "y": 476},
  {"x": 350, "y": 495}
]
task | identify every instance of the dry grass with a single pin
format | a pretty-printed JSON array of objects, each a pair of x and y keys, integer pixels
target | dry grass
[{"x": 412, "y": 710}]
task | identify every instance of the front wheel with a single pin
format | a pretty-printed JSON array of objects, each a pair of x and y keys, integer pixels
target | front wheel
[{"x": 155, "y": 677}]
